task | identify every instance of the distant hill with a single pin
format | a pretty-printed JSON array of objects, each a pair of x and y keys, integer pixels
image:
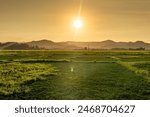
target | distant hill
[
  {"x": 42, "y": 44},
  {"x": 70, "y": 45},
  {"x": 47, "y": 44},
  {"x": 15, "y": 46}
]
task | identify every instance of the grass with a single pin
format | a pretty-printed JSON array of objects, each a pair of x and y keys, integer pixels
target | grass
[
  {"x": 73, "y": 75},
  {"x": 15, "y": 76},
  {"x": 144, "y": 68}
]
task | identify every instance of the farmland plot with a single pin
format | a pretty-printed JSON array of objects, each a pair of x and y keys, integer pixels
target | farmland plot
[{"x": 75, "y": 75}]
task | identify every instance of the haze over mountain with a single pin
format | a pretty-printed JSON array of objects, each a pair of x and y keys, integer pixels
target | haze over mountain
[{"x": 71, "y": 45}]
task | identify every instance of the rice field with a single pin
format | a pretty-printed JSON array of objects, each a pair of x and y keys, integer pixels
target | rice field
[{"x": 75, "y": 75}]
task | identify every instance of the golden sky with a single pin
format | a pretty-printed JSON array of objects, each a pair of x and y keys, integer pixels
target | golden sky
[{"x": 118, "y": 20}]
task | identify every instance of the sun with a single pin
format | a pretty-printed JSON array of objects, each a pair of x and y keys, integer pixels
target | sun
[{"x": 77, "y": 23}]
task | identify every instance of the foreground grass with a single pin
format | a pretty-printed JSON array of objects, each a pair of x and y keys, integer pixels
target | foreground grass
[
  {"x": 15, "y": 76},
  {"x": 144, "y": 68},
  {"x": 88, "y": 81}
]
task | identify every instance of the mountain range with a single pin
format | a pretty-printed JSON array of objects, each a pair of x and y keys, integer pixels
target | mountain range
[{"x": 71, "y": 45}]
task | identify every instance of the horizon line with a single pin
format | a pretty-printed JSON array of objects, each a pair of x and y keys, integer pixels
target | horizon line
[{"x": 73, "y": 41}]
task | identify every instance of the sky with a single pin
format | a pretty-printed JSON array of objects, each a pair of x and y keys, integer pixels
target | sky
[{"x": 118, "y": 20}]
